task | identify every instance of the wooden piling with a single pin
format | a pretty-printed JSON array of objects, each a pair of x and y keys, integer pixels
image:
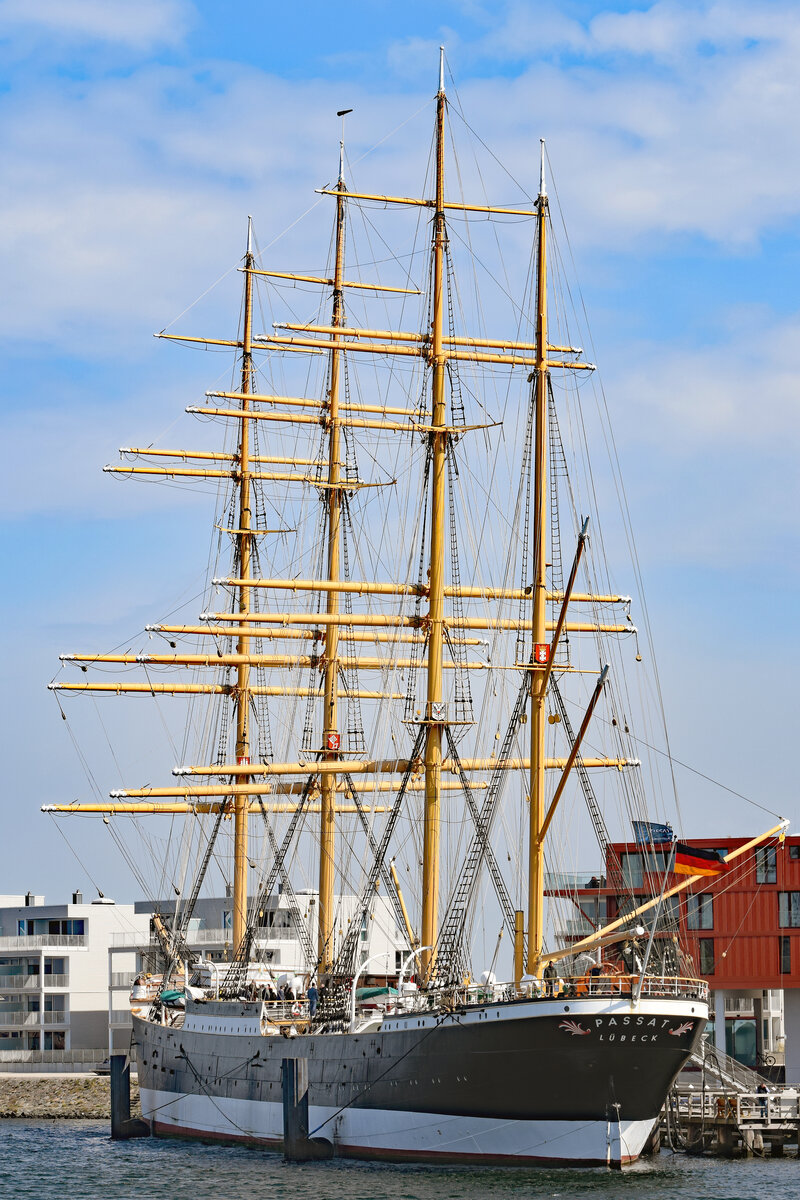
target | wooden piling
[
  {"x": 297, "y": 1145},
  {"x": 123, "y": 1126}
]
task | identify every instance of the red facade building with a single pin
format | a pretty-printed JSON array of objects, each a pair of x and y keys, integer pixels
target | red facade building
[{"x": 742, "y": 928}]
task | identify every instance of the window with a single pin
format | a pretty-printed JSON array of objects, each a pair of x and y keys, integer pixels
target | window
[
  {"x": 364, "y": 927},
  {"x": 785, "y": 955},
  {"x": 706, "y": 956},
  {"x": 227, "y": 918},
  {"x": 794, "y": 852},
  {"x": 789, "y": 910},
  {"x": 400, "y": 957},
  {"x": 53, "y": 928},
  {"x": 700, "y": 912},
  {"x": 636, "y": 866},
  {"x": 669, "y": 915},
  {"x": 594, "y": 910},
  {"x": 55, "y": 966},
  {"x": 54, "y": 1004},
  {"x": 766, "y": 867}
]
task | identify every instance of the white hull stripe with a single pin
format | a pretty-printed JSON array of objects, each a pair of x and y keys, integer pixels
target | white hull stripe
[{"x": 376, "y": 1133}]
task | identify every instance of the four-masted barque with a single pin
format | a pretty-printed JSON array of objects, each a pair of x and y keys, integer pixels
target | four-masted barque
[{"x": 402, "y": 725}]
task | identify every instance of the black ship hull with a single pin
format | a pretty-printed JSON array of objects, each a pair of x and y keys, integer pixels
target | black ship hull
[{"x": 544, "y": 1081}]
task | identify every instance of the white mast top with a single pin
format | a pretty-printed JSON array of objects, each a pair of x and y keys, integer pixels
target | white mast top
[
  {"x": 342, "y": 113},
  {"x": 249, "y": 235},
  {"x": 441, "y": 70},
  {"x": 542, "y": 187}
]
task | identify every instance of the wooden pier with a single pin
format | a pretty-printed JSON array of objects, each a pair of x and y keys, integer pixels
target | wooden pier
[{"x": 732, "y": 1124}]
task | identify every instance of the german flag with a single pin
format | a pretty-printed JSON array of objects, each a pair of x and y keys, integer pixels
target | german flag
[{"x": 691, "y": 861}]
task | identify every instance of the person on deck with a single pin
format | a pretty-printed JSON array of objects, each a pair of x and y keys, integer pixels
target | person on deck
[
  {"x": 313, "y": 998},
  {"x": 550, "y": 976}
]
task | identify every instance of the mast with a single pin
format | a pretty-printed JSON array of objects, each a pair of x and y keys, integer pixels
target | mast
[
  {"x": 244, "y": 544},
  {"x": 540, "y": 646},
  {"x": 434, "y": 708},
  {"x": 331, "y": 738}
]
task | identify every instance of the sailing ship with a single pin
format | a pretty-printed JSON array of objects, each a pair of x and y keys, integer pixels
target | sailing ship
[{"x": 570, "y": 1059}]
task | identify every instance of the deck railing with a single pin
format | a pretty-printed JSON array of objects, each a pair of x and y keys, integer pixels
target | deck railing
[{"x": 659, "y": 987}]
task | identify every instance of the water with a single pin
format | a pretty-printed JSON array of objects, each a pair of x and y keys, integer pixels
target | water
[{"x": 76, "y": 1160}]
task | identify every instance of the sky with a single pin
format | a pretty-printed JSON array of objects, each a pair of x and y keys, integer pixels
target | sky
[{"x": 136, "y": 137}]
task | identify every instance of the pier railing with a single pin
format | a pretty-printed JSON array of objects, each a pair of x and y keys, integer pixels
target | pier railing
[{"x": 742, "y": 1108}]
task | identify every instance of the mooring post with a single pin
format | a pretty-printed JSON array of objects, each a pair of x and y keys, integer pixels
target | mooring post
[
  {"x": 294, "y": 1076},
  {"x": 123, "y": 1126},
  {"x": 297, "y": 1145},
  {"x": 120, "y": 1095}
]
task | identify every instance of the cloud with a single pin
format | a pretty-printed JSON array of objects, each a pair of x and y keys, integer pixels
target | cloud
[
  {"x": 107, "y": 179},
  {"x": 124, "y": 196},
  {"x": 709, "y": 438},
  {"x": 669, "y": 119},
  {"x": 739, "y": 393},
  {"x": 142, "y": 25},
  {"x": 668, "y": 30}
]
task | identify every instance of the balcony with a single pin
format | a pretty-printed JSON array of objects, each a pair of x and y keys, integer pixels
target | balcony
[
  {"x": 25, "y": 983},
  {"x": 119, "y": 1016},
  {"x": 739, "y": 1005},
  {"x": 200, "y": 937},
  {"x": 575, "y": 928},
  {"x": 37, "y": 941},
  {"x": 72, "y": 1057},
  {"x": 130, "y": 941},
  {"x": 19, "y": 983},
  {"x": 122, "y": 979},
  {"x": 20, "y": 1018}
]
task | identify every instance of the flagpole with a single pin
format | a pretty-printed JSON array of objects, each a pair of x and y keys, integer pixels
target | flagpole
[{"x": 668, "y": 865}]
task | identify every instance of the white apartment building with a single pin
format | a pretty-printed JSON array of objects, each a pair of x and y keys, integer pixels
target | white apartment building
[
  {"x": 66, "y": 970},
  {"x": 54, "y": 978},
  {"x": 210, "y": 935}
]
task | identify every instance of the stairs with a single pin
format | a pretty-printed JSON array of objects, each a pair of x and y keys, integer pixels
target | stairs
[{"x": 732, "y": 1075}]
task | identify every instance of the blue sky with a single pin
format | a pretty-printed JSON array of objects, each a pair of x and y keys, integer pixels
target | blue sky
[{"x": 135, "y": 138}]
